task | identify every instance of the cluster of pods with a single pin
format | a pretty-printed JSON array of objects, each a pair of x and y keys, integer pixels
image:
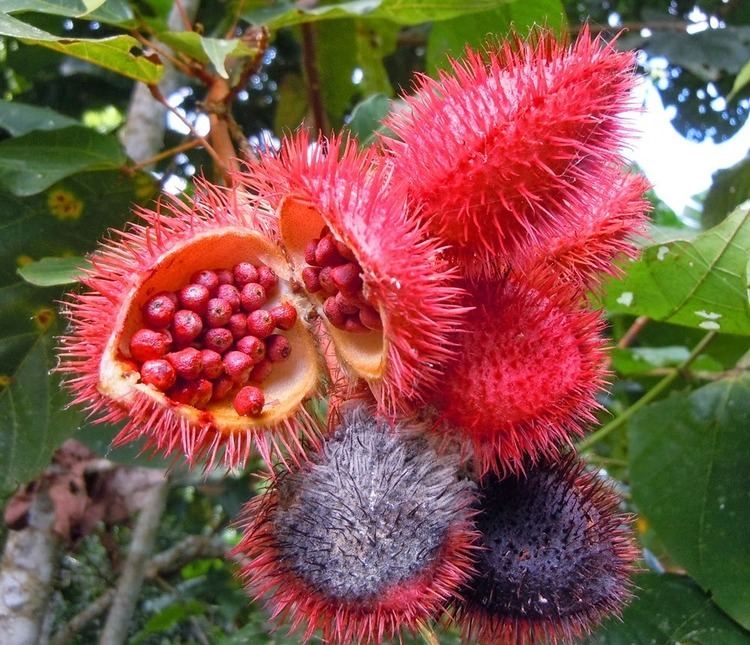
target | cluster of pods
[{"x": 432, "y": 293}]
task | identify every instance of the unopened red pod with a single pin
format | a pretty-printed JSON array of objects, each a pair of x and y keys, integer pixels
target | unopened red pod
[
  {"x": 526, "y": 374},
  {"x": 160, "y": 334},
  {"x": 511, "y": 144}
]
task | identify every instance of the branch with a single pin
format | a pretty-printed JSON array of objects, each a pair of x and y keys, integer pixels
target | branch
[
  {"x": 653, "y": 393},
  {"x": 163, "y": 563},
  {"x": 310, "y": 64},
  {"x": 630, "y": 335},
  {"x": 143, "y": 132},
  {"x": 217, "y": 104},
  {"x": 129, "y": 585}
]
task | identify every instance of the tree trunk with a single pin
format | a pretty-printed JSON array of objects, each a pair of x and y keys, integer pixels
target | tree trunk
[{"x": 28, "y": 568}]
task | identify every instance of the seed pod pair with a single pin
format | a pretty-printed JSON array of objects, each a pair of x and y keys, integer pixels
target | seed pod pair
[{"x": 379, "y": 534}]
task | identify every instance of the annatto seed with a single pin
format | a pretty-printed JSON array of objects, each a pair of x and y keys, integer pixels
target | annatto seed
[
  {"x": 346, "y": 305},
  {"x": 310, "y": 276},
  {"x": 237, "y": 365},
  {"x": 224, "y": 276},
  {"x": 146, "y": 345},
  {"x": 326, "y": 253},
  {"x": 218, "y": 312},
  {"x": 231, "y": 294},
  {"x": 310, "y": 252},
  {"x": 252, "y": 296},
  {"x": 159, "y": 311},
  {"x": 332, "y": 311},
  {"x": 277, "y": 348},
  {"x": 158, "y": 373},
  {"x": 186, "y": 326},
  {"x": 222, "y": 387},
  {"x": 284, "y": 315},
  {"x": 254, "y": 347},
  {"x": 194, "y": 297},
  {"x": 267, "y": 278},
  {"x": 203, "y": 392},
  {"x": 172, "y": 296},
  {"x": 249, "y": 401},
  {"x": 185, "y": 392},
  {"x": 326, "y": 281},
  {"x": 213, "y": 367},
  {"x": 353, "y": 325},
  {"x": 260, "y": 323},
  {"x": 345, "y": 251},
  {"x": 347, "y": 279},
  {"x": 208, "y": 279},
  {"x": 186, "y": 362},
  {"x": 370, "y": 318},
  {"x": 261, "y": 371},
  {"x": 238, "y": 325},
  {"x": 244, "y": 272},
  {"x": 219, "y": 340}
]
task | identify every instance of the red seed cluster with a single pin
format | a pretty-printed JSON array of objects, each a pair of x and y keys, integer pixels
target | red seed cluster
[
  {"x": 207, "y": 340},
  {"x": 334, "y": 273}
]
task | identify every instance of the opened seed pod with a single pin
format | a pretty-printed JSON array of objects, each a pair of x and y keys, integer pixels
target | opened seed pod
[
  {"x": 388, "y": 302},
  {"x": 188, "y": 328},
  {"x": 368, "y": 540}
]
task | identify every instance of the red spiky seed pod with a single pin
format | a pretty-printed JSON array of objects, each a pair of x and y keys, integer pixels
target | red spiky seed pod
[
  {"x": 556, "y": 556},
  {"x": 216, "y": 233},
  {"x": 526, "y": 375},
  {"x": 369, "y": 540},
  {"x": 336, "y": 193},
  {"x": 582, "y": 255},
  {"x": 510, "y": 145}
]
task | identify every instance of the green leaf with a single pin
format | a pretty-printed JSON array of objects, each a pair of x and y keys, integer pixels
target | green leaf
[
  {"x": 346, "y": 48},
  {"x": 638, "y": 360},
  {"x": 403, "y": 12},
  {"x": 67, "y": 219},
  {"x": 690, "y": 477},
  {"x": 450, "y": 37},
  {"x": 740, "y": 81},
  {"x": 20, "y": 118},
  {"x": 50, "y": 272},
  {"x": 367, "y": 115},
  {"x": 34, "y": 420},
  {"x": 109, "y": 11},
  {"x": 698, "y": 283},
  {"x": 292, "y": 105},
  {"x": 706, "y": 53},
  {"x": 668, "y": 610},
  {"x": 35, "y": 161},
  {"x": 120, "y": 54},
  {"x": 730, "y": 187},
  {"x": 213, "y": 50},
  {"x": 71, "y": 8}
]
